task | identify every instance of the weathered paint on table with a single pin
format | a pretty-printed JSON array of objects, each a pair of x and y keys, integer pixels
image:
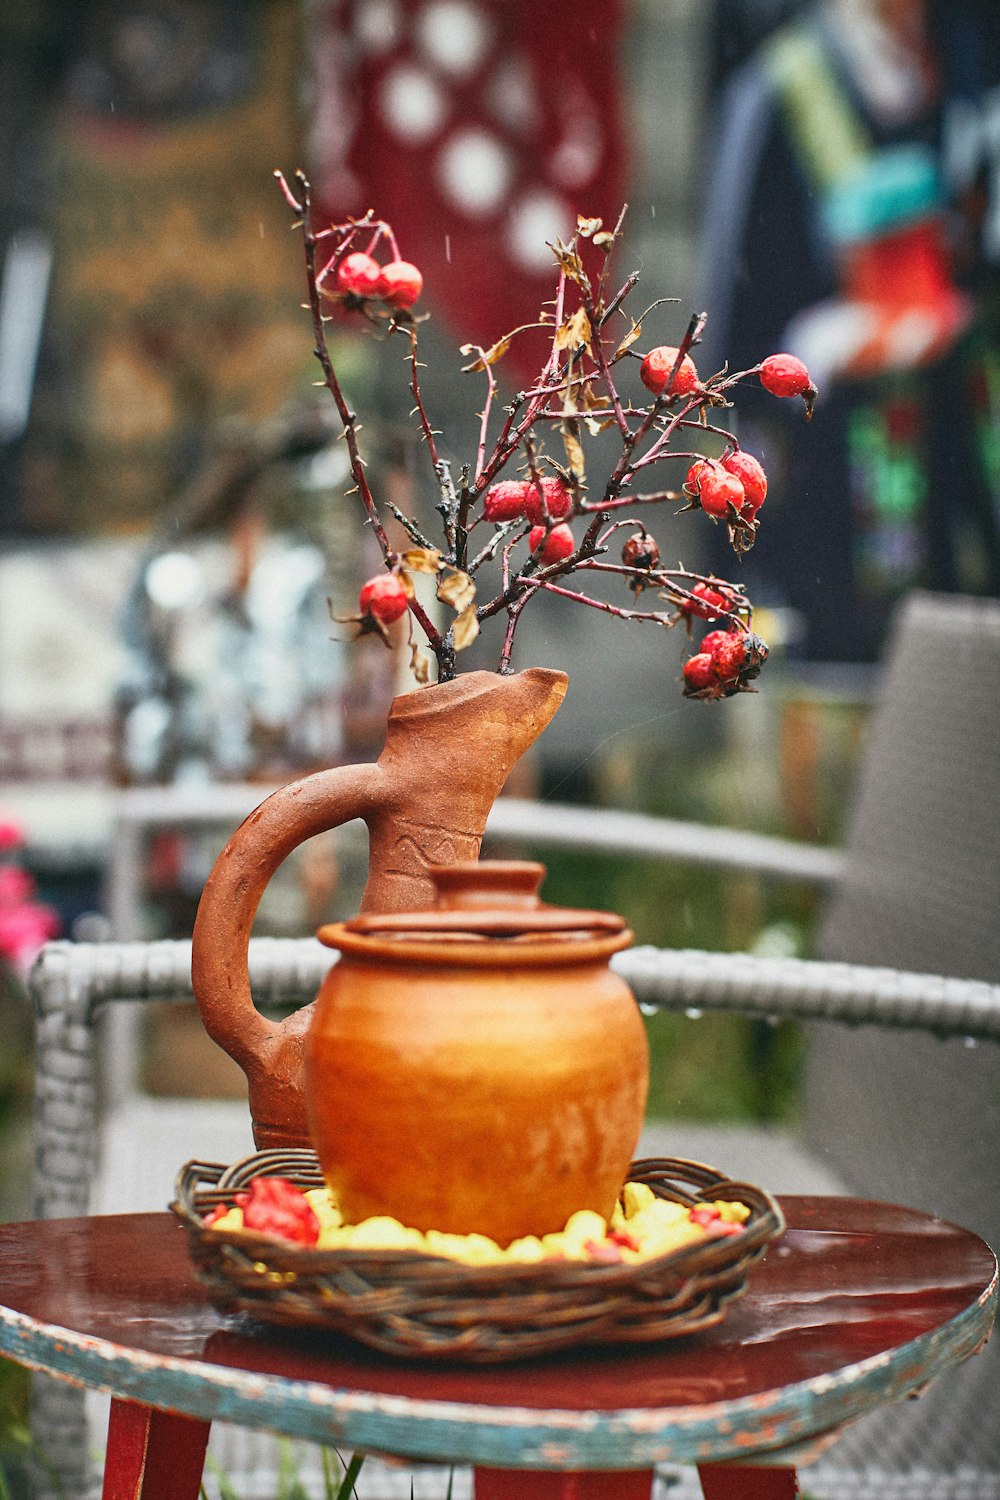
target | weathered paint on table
[{"x": 858, "y": 1304}]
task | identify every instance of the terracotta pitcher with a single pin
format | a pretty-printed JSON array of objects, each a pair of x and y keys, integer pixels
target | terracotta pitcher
[
  {"x": 477, "y": 1067},
  {"x": 448, "y": 751}
]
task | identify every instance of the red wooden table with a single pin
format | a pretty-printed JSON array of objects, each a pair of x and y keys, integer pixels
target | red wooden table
[{"x": 858, "y": 1304}]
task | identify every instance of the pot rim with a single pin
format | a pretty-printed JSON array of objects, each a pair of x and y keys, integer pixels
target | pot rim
[{"x": 464, "y": 950}]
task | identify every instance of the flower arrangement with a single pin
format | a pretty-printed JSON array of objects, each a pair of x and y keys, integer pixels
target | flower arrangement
[{"x": 532, "y": 519}]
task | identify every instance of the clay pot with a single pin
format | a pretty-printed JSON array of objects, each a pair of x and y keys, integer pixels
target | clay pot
[
  {"x": 448, "y": 751},
  {"x": 477, "y": 1067}
]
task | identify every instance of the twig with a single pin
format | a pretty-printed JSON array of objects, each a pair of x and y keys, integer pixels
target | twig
[{"x": 347, "y": 416}]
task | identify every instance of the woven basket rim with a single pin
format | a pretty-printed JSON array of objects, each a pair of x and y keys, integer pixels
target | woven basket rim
[{"x": 418, "y": 1304}]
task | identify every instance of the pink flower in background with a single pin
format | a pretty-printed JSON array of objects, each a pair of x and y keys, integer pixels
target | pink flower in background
[
  {"x": 16, "y": 886},
  {"x": 11, "y": 834},
  {"x": 23, "y": 931},
  {"x": 25, "y": 924}
]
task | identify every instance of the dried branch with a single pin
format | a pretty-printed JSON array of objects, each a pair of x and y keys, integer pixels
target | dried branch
[{"x": 575, "y": 396}]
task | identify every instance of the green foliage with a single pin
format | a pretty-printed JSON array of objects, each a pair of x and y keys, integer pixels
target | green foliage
[
  {"x": 336, "y": 1485},
  {"x": 714, "y": 1067},
  {"x": 16, "y": 1445}
]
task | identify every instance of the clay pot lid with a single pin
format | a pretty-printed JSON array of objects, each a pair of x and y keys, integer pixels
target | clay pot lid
[{"x": 488, "y": 898}]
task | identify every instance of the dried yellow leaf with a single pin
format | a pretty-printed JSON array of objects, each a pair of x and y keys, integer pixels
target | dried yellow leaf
[
  {"x": 575, "y": 333},
  {"x": 634, "y": 332},
  {"x": 420, "y": 666},
  {"x": 487, "y": 357},
  {"x": 466, "y": 628},
  {"x": 594, "y": 427},
  {"x": 587, "y": 227},
  {"x": 457, "y": 589},
  {"x": 568, "y": 261},
  {"x": 574, "y": 449},
  {"x": 423, "y": 559}
]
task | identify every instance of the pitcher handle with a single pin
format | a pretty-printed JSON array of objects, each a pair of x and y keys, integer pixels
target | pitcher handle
[{"x": 269, "y": 1052}]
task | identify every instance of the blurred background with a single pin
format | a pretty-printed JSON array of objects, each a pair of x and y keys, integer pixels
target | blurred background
[
  {"x": 174, "y": 523},
  {"x": 174, "y": 527}
]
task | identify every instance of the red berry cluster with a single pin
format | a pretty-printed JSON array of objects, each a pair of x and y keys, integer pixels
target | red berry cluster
[
  {"x": 727, "y": 663},
  {"x": 575, "y": 397},
  {"x": 360, "y": 278},
  {"x": 538, "y": 501},
  {"x": 545, "y": 502},
  {"x": 730, "y": 489}
]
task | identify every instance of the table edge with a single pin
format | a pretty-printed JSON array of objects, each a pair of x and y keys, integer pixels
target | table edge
[{"x": 502, "y": 1436}]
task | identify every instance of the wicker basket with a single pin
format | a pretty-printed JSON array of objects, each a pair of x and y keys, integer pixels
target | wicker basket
[{"x": 422, "y": 1307}]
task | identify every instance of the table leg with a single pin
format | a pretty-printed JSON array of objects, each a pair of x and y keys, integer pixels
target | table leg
[
  {"x": 153, "y": 1455},
  {"x": 748, "y": 1482},
  {"x": 548, "y": 1484}
]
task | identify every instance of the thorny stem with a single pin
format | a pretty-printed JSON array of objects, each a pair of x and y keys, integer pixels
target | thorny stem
[
  {"x": 425, "y": 423},
  {"x": 625, "y": 467},
  {"x": 484, "y": 418},
  {"x": 678, "y": 596},
  {"x": 661, "y": 447},
  {"x": 410, "y": 527},
  {"x": 628, "y": 285},
  {"x": 512, "y": 435},
  {"x": 660, "y": 577},
  {"x": 590, "y": 307},
  {"x": 659, "y": 616},
  {"x": 623, "y": 501},
  {"x": 348, "y": 417},
  {"x": 607, "y": 258},
  {"x": 502, "y": 534},
  {"x": 513, "y": 615}
]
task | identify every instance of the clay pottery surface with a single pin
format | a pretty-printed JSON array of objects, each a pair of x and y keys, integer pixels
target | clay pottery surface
[
  {"x": 448, "y": 751},
  {"x": 477, "y": 1067}
]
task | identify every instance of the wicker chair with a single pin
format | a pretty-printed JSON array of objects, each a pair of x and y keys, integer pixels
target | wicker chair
[{"x": 931, "y": 732}]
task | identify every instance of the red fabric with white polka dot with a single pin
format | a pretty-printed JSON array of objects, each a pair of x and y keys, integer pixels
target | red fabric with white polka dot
[{"x": 480, "y": 129}]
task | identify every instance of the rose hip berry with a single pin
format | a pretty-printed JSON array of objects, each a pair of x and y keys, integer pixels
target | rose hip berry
[
  {"x": 557, "y": 500},
  {"x": 739, "y": 657},
  {"x": 551, "y": 546},
  {"x": 751, "y": 475},
  {"x": 358, "y": 275},
  {"x": 713, "y": 639},
  {"x": 715, "y": 489},
  {"x": 400, "y": 283},
  {"x": 656, "y": 368},
  {"x": 505, "y": 501},
  {"x": 786, "y": 375},
  {"x": 383, "y": 597},
  {"x": 699, "y": 674},
  {"x": 641, "y": 551},
  {"x": 710, "y": 600}
]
